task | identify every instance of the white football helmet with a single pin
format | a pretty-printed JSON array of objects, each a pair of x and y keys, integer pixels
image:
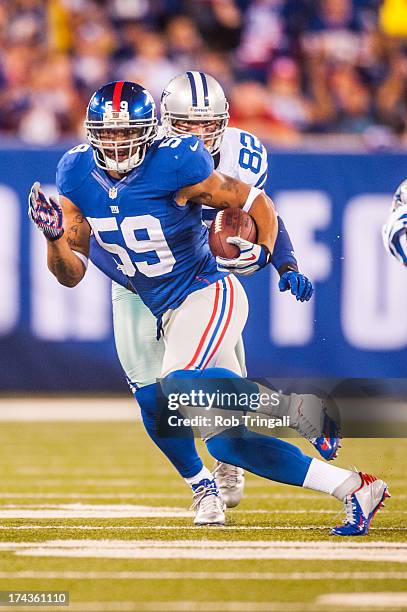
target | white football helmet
[
  {"x": 400, "y": 197},
  {"x": 195, "y": 100}
]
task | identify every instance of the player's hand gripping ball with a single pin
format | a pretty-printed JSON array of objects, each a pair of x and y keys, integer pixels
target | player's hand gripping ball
[
  {"x": 232, "y": 239},
  {"x": 46, "y": 215}
]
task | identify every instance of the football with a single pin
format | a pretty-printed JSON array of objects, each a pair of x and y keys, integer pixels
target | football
[{"x": 230, "y": 222}]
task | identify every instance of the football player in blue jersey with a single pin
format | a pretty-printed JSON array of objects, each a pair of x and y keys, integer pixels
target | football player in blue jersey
[
  {"x": 194, "y": 102},
  {"x": 142, "y": 199},
  {"x": 395, "y": 230}
]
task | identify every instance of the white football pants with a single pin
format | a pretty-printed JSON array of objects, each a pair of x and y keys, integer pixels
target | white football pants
[
  {"x": 204, "y": 330},
  {"x": 140, "y": 353}
]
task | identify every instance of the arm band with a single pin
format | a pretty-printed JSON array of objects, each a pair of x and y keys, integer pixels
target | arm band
[
  {"x": 253, "y": 193},
  {"x": 82, "y": 257}
]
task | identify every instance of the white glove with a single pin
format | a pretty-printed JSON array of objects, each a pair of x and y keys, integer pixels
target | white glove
[{"x": 253, "y": 257}]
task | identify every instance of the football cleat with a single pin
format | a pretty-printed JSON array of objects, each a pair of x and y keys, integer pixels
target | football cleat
[
  {"x": 308, "y": 416},
  {"x": 361, "y": 506},
  {"x": 208, "y": 503},
  {"x": 230, "y": 481}
]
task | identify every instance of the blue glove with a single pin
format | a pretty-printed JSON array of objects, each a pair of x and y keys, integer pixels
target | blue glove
[
  {"x": 299, "y": 285},
  {"x": 253, "y": 257},
  {"x": 47, "y": 215}
]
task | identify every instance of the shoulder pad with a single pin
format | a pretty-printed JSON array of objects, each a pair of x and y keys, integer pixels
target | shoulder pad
[
  {"x": 232, "y": 136},
  {"x": 74, "y": 167},
  {"x": 173, "y": 149},
  {"x": 181, "y": 161},
  {"x": 245, "y": 157}
]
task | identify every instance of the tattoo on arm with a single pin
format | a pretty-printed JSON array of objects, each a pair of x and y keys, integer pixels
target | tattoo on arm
[
  {"x": 72, "y": 234},
  {"x": 204, "y": 198},
  {"x": 225, "y": 195},
  {"x": 61, "y": 269},
  {"x": 231, "y": 185}
]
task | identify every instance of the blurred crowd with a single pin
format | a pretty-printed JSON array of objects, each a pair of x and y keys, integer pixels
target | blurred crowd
[{"x": 292, "y": 69}]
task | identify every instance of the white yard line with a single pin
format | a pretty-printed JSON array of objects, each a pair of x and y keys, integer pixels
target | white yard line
[
  {"x": 146, "y": 496},
  {"x": 60, "y": 495},
  {"x": 214, "y": 549},
  {"x": 134, "y": 575},
  {"x": 92, "y": 511},
  {"x": 179, "y": 606},
  {"x": 103, "y": 483},
  {"x": 71, "y": 495},
  {"x": 364, "y": 600},
  {"x": 91, "y": 470},
  {"x": 123, "y": 511},
  {"x": 125, "y": 408},
  {"x": 235, "y": 554},
  {"x": 180, "y": 528},
  {"x": 69, "y": 409}
]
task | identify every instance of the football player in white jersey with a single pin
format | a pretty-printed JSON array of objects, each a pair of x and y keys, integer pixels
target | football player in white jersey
[
  {"x": 395, "y": 230},
  {"x": 195, "y": 103}
]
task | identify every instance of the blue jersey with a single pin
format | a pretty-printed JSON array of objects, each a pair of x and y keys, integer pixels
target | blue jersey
[{"x": 161, "y": 246}]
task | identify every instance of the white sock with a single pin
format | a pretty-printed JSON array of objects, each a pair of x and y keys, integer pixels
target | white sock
[
  {"x": 204, "y": 473},
  {"x": 273, "y": 409},
  {"x": 327, "y": 478}
]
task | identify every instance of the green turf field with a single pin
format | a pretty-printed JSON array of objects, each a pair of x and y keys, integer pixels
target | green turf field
[{"x": 94, "y": 509}]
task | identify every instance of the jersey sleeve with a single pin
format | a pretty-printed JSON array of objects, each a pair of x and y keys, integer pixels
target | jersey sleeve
[
  {"x": 252, "y": 161},
  {"x": 283, "y": 257},
  {"x": 103, "y": 260},
  {"x": 196, "y": 163}
]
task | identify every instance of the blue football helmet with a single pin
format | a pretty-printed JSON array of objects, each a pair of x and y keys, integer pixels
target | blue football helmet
[{"x": 121, "y": 124}]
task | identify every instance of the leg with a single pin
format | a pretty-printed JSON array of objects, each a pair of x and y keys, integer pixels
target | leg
[
  {"x": 134, "y": 326},
  {"x": 210, "y": 347},
  {"x": 362, "y": 494},
  {"x": 230, "y": 478},
  {"x": 140, "y": 355},
  {"x": 241, "y": 356},
  {"x": 202, "y": 332}
]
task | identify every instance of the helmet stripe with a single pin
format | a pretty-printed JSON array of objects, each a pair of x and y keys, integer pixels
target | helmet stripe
[
  {"x": 117, "y": 94},
  {"x": 193, "y": 88},
  {"x": 205, "y": 88}
]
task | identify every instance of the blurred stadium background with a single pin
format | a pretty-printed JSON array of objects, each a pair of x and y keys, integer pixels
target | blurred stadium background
[
  {"x": 292, "y": 68},
  {"x": 94, "y": 508},
  {"x": 323, "y": 84}
]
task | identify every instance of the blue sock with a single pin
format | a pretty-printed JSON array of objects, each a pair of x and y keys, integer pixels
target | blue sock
[
  {"x": 209, "y": 380},
  {"x": 179, "y": 450},
  {"x": 263, "y": 455}
]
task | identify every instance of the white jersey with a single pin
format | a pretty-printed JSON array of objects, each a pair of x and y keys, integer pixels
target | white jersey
[
  {"x": 242, "y": 156},
  {"x": 395, "y": 231}
]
